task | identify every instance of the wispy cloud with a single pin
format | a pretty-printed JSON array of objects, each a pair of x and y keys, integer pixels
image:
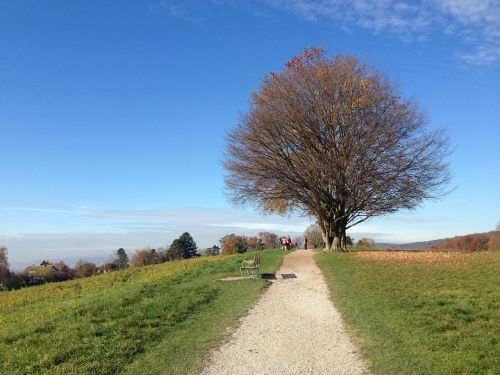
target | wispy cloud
[
  {"x": 475, "y": 22},
  {"x": 402, "y": 18},
  {"x": 165, "y": 219},
  {"x": 52, "y": 210},
  {"x": 290, "y": 227},
  {"x": 415, "y": 219},
  {"x": 186, "y": 10},
  {"x": 478, "y": 23},
  {"x": 101, "y": 232}
]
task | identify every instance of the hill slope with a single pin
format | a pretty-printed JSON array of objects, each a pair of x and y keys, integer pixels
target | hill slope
[
  {"x": 164, "y": 318},
  {"x": 420, "y": 313}
]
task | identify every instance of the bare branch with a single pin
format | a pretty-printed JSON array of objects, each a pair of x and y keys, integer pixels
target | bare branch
[{"x": 331, "y": 138}]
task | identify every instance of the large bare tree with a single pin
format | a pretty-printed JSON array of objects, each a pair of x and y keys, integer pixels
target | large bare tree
[{"x": 332, "y": 138}]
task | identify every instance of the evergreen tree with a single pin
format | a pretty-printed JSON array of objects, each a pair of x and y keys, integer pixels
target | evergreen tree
[
  {"x": 155, "y": 257},
  {"x": 260, "y": 244},
  {"x": 122, "y": 259},
  {"x": 214, "y": 250},
  {"x": 241, "y": 247},
  {"x": 175, "y": 250},
  {"x": 183, "y": 247},
  {"x": 4, "y": 268}
]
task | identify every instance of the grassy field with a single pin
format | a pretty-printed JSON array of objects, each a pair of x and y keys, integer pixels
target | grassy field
[
  {"x": 420, "y": 313},
  {"x": 160, "y": 319}
]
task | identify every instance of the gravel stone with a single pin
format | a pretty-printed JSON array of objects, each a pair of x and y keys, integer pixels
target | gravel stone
[{"x": 294, "y": 328}]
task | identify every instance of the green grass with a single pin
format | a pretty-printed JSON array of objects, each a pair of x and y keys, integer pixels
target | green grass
[
  {"x": 159, "y": 319},
  {"x": 408, "y": 316}
]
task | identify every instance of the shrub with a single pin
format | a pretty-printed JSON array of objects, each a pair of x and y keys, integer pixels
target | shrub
[
  {"x": 232, "y": 243},
  {"x": 85, "y": 269},
  {"x": 366, "y": 242}
]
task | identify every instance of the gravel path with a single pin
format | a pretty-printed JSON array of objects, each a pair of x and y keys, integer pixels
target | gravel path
[{"x": 293, "y": 329}]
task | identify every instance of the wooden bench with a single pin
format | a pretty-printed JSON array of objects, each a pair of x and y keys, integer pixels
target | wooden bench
[{"x": 251, "y": 267}]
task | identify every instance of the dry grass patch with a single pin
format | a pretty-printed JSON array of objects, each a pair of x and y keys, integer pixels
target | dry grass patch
[{"x": 411, "y": 257}]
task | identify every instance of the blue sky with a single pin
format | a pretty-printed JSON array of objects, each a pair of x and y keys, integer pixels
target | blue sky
[{"x": 113, "y": 114}]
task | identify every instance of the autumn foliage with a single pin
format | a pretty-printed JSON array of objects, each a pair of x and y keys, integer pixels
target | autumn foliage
[
  {"x": 494, "y": 242},
  {"x": 269, "y": 239},
  {"x": 366, "y": 242},
  {"x": 472, "y": 242},
  {"x": 85, "y": 269},
  {"x": 234, "y": 243},
  {"x": 145, "y": 257},
  {"x": 333, "y": 139}
]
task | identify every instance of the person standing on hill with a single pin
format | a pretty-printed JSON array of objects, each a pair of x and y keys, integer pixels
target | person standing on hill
[{"x": 305, "y": 243}]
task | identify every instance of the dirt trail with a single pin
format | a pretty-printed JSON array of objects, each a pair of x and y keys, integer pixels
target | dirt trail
[{"x": 293, "y": 329}]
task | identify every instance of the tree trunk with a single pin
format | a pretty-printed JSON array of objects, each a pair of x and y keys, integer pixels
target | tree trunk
[
  {"x": 333, "y": 236},
  {"x": 328, "y": 242},
  {"x": 326, "y": 234},
  {"x": 342, "y": 235}
]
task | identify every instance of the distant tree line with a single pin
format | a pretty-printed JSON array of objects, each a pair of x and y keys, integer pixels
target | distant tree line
[
  {"x": 183, "y": 247},
  {"x": 237, "y": 244},
  {"x": 471, "y": 242}
]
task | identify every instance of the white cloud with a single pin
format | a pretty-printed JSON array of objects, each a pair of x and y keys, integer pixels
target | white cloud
[
  {"x": 475, "y": 22},
  {"x": 183, "y": 9},
  {"x": 470, "y": 11},
  {"x": 478, "y": 23}
]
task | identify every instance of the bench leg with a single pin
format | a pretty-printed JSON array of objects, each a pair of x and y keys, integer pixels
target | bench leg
[{"x": 250, "y": 272}]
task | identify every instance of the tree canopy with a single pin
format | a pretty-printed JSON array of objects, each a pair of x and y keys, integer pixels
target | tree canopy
[
  {"x": 121, "y": 259},
  {"x": 332, "y": 138},
  {"x": 232, "y": 243},
  {"x": 183, "y": 247}
]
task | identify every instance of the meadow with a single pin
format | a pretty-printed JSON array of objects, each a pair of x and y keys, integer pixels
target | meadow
[
  {"x": 160, "y": 319},
  {"x": 420, "y": 312}
]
